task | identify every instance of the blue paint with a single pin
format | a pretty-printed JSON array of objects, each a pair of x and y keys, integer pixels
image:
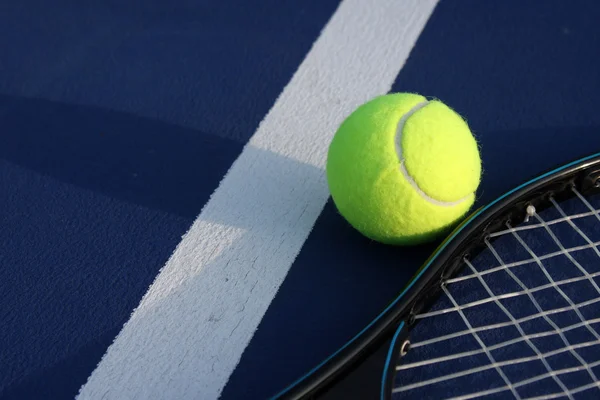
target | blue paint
[
  {"x": 449, "y": 240},
  {"x": 117, "y": 122},
  {"x": 525, "y": 77}
]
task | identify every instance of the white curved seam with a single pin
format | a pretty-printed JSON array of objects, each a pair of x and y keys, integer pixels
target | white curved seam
[{"x": 409, "y": 179}]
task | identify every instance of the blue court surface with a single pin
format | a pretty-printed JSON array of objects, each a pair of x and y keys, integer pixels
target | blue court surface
[{"x": 166, "y": 230}]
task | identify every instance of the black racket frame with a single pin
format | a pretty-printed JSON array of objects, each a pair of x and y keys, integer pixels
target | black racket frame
[{"x": 358, "y": 370}]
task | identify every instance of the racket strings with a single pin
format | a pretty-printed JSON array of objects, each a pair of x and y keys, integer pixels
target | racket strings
[
  {"x": 553, "y": 222},
  {"x": 476, "y": 327},
  {"x": 562, "y": 293},
  {"x": 515, "y": 294},
  {"x": 573, "y": 249}
]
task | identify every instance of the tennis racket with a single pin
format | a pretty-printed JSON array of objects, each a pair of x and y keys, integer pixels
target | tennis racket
[{"x": 508, "y": 306}]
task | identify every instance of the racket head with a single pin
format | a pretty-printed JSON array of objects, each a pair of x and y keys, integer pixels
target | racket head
[{"x": 366, "y": 365}]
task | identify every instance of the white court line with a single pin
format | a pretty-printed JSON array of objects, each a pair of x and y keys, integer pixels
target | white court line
[{"x": 189, "y": 331}]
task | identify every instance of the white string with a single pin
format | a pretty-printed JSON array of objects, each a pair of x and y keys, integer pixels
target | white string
[
  {"x": 535, "y": 379},
  {"x": 497, "y": 365},
  {"x": 493, "y": 364},
  {"x": 571, "y": 348},
  {"x": 587, "y": 203},
  {"x": 507, "y": 295},
  {"x": 552, "y": 222},
  {"x": 568, "y": 328},
  {"x": 518, "y": 326},
  {"x": 522, "y": 319},
  {"x": 524, "y": 336},
  {"x": 585, "y": 273},
  {"x": 574, "y": 226},
  {"x": 559, "y": 290},
  {"x": 572, "y": 391},
  {"x": 527, "y": 261}
]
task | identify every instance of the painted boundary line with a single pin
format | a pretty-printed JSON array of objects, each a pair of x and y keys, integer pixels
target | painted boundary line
[{"x": 189, "y": 331}]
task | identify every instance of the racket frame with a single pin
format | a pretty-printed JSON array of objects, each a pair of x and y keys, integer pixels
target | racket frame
[{"x": 392, "y": 326}]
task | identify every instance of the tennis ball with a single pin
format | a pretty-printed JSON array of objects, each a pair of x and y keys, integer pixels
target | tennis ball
[{"x": 403, "y": 169}]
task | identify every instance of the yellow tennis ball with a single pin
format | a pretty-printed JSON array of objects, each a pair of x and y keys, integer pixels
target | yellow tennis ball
[{"x": 403, "y": 169}]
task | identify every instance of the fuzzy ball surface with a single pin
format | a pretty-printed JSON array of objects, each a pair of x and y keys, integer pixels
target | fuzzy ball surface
[{"x": 403, "y": 169}]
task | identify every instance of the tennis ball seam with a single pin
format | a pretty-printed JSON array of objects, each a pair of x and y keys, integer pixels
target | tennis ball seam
[{"x": 404, "y": 171}]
